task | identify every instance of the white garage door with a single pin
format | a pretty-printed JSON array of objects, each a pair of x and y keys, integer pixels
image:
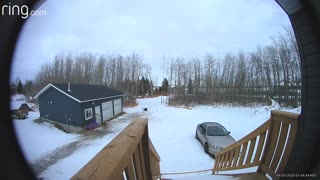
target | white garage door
[
  {"x": 107, "y": 111},
  {"x": 117, "y": 106}
]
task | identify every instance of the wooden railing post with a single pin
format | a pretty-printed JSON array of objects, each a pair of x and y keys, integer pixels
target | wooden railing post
[
  {"x": 278, "y": 143},
  {"x": 271, "y": 153},
  {"x": 155, "y": 159},
  {"x": 130, "y": 153},
  {"x": 146, "y": 152}
]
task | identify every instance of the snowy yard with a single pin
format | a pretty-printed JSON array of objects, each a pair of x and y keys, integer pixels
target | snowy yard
[{"x": 172, "y": 131}]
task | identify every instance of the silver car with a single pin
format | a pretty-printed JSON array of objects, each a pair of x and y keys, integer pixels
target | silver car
[{"x": 213, "y": 136}]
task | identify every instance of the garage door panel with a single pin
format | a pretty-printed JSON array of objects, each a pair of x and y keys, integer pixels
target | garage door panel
[
  {"x": 117, "y": 106},
  {"x": 107, "y": 110}
]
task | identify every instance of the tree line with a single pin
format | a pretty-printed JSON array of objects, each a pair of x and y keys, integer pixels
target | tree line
[
  {"x": 19, "y": 88},
  {"x": 269, "y": 72},
  {"x": 243, "y": 78},
  {"x": 125, "y": 73}
]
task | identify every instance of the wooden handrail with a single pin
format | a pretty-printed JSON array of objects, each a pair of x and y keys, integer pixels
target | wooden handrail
[
  {"x": 130, "y": 154},
  {"x": 268, "y": 147},
  {"x": 245, "y": 139}
]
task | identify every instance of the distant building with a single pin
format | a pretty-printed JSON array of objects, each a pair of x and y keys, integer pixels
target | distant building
[{"x": 74, "y": 106}]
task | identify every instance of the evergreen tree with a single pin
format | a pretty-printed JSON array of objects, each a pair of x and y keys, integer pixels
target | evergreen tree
[
  {"x": 147, "y": 87},
  {"x": 190, "y": 87},
  {"x": 19, "y": 88},
  {"x": 144, "y": 87},
  {"x": 165, "y": 85}
]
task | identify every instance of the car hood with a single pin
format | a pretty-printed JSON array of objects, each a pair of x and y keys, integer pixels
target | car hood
[{"x": 221, "y": 141}]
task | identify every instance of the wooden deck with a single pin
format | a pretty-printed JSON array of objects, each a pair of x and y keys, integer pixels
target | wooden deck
[{"x": 131, "y": 154}]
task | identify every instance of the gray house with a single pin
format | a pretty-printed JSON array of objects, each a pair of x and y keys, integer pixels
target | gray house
[{"x": 74, "y": 106}]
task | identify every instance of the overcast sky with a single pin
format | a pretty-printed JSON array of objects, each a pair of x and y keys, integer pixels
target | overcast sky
[{"x": 155, "y": 29}]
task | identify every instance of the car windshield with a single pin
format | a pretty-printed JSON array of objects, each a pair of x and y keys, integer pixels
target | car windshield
[{"x": 216, "y": 131}]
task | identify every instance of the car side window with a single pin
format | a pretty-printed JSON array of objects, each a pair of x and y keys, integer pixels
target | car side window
[{"x": 203, "y": 128}]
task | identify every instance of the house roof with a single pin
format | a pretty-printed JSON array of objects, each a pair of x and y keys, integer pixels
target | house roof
[{"x": 83, "y": 92}]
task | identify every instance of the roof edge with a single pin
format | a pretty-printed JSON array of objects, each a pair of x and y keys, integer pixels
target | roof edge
[
  {"x": 42, "y": 90},
  {"x": 101, "y": 98},
  {"x": 51, "y": 85}
]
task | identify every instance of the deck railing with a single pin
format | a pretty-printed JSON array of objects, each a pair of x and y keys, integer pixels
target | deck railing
[
  {"x": 131, "y": 154},
  {"x": 268, "y": 147}
]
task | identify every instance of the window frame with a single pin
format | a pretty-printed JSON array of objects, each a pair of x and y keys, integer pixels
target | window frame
[{"x": 85, "y": 113}]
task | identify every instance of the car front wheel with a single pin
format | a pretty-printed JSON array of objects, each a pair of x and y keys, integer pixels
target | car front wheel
[{"x": 206, "y": 148}]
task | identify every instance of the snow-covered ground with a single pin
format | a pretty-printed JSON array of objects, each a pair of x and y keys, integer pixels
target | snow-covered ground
[
  {"x": 171, "y": 129},
  {"x": 36, "y": 139}
]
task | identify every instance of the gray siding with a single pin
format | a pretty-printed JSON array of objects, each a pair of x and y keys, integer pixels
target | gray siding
[{"x": 56, "y": 107}]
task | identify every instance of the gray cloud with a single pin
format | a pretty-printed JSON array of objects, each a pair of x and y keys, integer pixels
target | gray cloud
[{"x": 153, "y": 28}]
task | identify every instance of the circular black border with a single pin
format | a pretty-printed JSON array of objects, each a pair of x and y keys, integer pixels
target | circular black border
[{"x": 303, "y": 160}]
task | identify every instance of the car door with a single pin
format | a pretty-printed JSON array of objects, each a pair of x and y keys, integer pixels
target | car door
[{"x": 202, "y": 133}]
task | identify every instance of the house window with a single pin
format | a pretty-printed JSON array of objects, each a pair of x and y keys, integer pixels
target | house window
[{"x": 88, "y": 113}]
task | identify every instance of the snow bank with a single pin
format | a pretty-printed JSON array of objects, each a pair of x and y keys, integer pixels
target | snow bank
[
  {"x": 295, "y": 110},
  {"x": 267, "y": 109},
  {"x": 275, "y": 106}
]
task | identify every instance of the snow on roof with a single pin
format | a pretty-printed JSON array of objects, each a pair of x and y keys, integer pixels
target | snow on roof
[{"x": 83, "y": 92}]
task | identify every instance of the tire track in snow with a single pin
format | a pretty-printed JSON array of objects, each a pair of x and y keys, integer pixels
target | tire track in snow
[{"x": 113, "y": 126}]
